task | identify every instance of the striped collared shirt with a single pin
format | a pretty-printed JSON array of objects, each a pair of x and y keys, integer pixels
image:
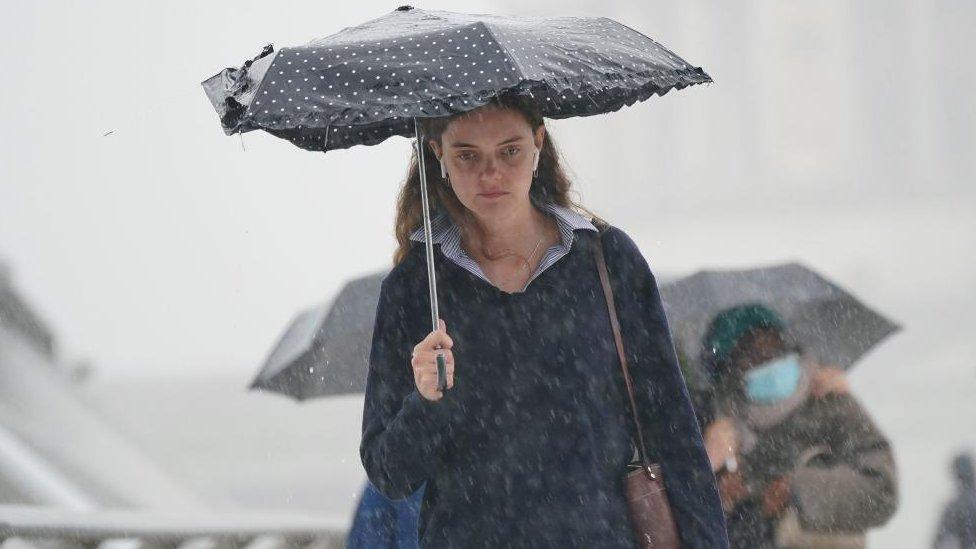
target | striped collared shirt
[{"x": 448, "y": 235}]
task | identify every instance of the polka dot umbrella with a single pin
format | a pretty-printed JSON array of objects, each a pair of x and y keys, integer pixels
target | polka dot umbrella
[{"x": 367, "y": 83}]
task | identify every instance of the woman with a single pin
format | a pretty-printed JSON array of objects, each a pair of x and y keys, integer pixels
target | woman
[
  {"x": 529, "y": 444},
  {"x": 799, "y": 461}
]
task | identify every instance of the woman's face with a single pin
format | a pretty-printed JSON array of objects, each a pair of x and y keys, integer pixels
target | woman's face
[{"x": 488, "y": 155}]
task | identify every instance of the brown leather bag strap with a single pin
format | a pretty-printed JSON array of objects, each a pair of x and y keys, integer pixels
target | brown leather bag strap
[{"x": 601, "y": 265}]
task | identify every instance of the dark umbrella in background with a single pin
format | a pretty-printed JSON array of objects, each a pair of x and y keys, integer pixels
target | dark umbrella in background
[
  {"x": 325, "y": 350},
  {"x": 830, "y": 323},
  {"x": 376, "y": 80}
]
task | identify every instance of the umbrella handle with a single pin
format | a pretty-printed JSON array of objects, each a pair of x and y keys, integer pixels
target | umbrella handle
[{"x": 441, "y": 373}]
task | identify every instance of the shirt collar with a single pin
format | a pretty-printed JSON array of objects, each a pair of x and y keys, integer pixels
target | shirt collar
[{"x": 443, "y": 228}]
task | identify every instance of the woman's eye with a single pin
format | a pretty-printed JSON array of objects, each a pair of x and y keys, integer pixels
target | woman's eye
[
  {"x": 465, "y": 156},
  {"x": 511, "y": 151}
]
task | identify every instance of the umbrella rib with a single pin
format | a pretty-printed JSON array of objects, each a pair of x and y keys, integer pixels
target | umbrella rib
[{"x": 515, "y": 62}]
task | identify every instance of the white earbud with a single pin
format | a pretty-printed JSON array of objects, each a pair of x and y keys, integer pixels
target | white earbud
[
  {"x": 443, "y": 171},
  {"x": 535, "y": 162}
]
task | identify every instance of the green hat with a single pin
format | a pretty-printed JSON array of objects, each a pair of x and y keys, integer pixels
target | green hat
[{"x": 730, "y": 325}]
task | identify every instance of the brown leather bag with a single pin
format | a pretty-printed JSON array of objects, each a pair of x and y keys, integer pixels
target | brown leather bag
[{"x": 647, "y": 500}]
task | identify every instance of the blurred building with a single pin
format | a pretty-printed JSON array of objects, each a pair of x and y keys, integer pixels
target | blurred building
[
  {"x": 54, "y": 450},
  {"x": 67, "y": 474},
  {"x": 17, "y": 317}
]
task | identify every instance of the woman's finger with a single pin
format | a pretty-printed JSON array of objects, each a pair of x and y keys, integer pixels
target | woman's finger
[
  {"x": 437, "y": 339},
  {"x": 427, "y": 383},
  {"x": 430, "y": 368},
  {"x": 430, "y": 373},
  {"x": 430, "y": 357},
  {"x": 434, "y": 341}
]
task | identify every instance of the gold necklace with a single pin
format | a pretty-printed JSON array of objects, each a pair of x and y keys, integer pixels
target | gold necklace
[{"x": 526, "y": 262}]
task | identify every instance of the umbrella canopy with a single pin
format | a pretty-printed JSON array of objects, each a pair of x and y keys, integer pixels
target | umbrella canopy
[
  {"x": 827, "y": 321},
  {"x": 367, "y": 83},
  {"x": 325, "y": 349}
]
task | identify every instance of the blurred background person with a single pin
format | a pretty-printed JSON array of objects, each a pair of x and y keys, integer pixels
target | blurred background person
[
  {"x": 957, "y": 529},
  {"x": 799, "y": 462},
  {"x": 824, "y": 380},
  {"x": 382, "y": 523}
]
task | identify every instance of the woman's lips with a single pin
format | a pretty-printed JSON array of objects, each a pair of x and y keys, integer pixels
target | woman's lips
[{"x": 493, "y": 194}]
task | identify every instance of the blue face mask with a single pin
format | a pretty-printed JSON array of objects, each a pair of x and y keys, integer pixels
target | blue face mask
[{"x": 774, "y": 380}]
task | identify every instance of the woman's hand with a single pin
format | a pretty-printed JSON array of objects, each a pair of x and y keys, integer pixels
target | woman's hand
[
  {"x": 776, "y": 497},
  {"x": 829, "y": 380},
  {"x": 731, "y": 489},
  {"x": 720, "y": 442},
  {"x": 424, "y": 362}
]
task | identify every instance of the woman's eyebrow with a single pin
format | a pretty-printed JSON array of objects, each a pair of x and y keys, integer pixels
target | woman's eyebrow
[{"x": 512, "y": 139}]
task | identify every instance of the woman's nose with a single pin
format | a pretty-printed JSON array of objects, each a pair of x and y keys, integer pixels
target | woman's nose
[{"x": 491, "y": 168}]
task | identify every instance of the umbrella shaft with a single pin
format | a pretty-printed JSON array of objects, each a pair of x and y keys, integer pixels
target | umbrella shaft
[{"x": 428, "y": 238}]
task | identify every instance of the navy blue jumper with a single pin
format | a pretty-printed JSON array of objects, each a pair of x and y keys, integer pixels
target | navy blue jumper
[{"x": 530, "y": 447}]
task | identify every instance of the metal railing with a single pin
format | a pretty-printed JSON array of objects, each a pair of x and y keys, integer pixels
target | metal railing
[{"x": 53, "y": 528}]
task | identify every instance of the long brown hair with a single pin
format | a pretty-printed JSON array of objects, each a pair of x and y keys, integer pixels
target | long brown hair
[{"x": 551, "y": 185}]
